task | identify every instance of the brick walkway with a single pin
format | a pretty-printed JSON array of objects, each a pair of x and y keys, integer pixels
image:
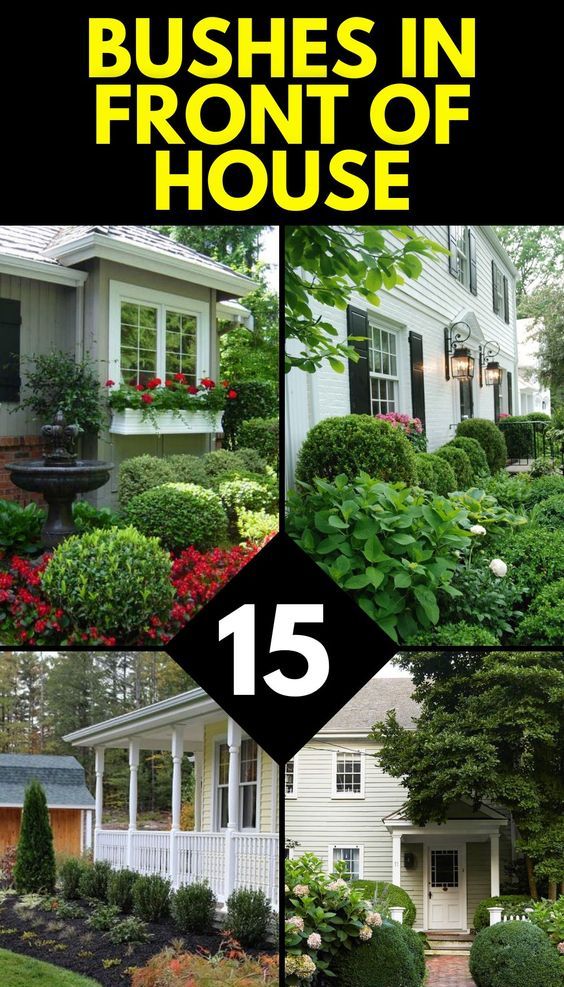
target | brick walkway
[{"x": 448, "y": 971}]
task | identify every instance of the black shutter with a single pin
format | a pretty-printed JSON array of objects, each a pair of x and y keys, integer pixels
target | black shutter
[
  {"x": 417, "y": 376},
  {"x": 10, "y": 321},
  {"x": 497, "y": 406},
  {"x": 359, "y": 372},
  {"x": 506, "y": 298},
  {"x": 494, "y": 297},
  {"x": 509, "y": 393},
  {"x": 453, "y": 255},
  {"x": 473, "y": 262}
]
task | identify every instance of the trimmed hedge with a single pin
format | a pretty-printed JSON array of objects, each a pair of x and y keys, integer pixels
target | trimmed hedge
[
  {"x": 445, "y": 477},
  {"x": 353, "y": 444},
  {"x": 490, "y": 439},
  {"x": 385, "y": 961},
  {"x": 386, "y": 895},
  {"x": 475, "y": 454},
  {"x": 541, "y": 488},
  {"x": 518, "y": 437},
  {"x": 481, "y": 915},
  {"x": 181, "y": 515},
  {"x": 262, "y": 434},
  {"x": 515, "y": 954},
  {"x": 544, "y": 620},
  {"x": 255, "y": 399},
  {"x": 424, "y": 471},
  {"x": 416, "y": 945},
  {"x": 457, "y": 634},
  {"x": 536, "y": 556},
  {"x": 549, "y": 513},
  {"x": 460, "y": 463}
]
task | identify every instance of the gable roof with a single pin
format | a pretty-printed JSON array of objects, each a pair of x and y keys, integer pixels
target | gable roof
[
  {"x": 61, "y": 776},
  {"x": 372, "y": 703}
]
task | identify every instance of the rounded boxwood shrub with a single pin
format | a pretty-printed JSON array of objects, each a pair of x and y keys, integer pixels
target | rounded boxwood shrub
[
  {"x": 249, "y": 914},
  {"x": 114, "y": 580},
  {"x": 251, "y": 460},
  {"x": 180, "y": 514},
  {"x": 141, "y": 473},
  {"x": 475, "y": 454},
  {"x": 460, "y": 463},
  {"x": 541, "y": 488},
  {"x": 246, "y": 495},
  {"x": 515, "y": 954},
  {"x": 490, "y": 439},
  {"x": 416, "y": 946},
  {"x": 262, "y": 434},
  {"x": 386, "y": 895},
  {"x": 186, "y": 469},
  {"x": 151, "y": 898},
  {"x": 509, "y": 901},
  {"x": 535, "y": 555},
  {"x": 445, "y": 477},
  {"x": 120, "y": 889},
  {"x": 193, "y": 907},
  {"x": 544, "y": 620},
  {"x": 70, "y": 872},
  {"x": 221, "y": 461},
  {"x": 355, "y": 444},
  {"x": 384, "y": 961},
  {"x": 549, "y": 513},
  {"x": 424, "y": 471},
  {"x": 457, "y": 634},
  {"x": 94, "y": 880}
]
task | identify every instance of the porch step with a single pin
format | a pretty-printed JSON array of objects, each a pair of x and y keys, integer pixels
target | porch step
[{"x": 449, "y": 943}]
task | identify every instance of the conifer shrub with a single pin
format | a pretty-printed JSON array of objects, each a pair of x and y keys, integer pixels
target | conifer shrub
[{"x": 35, "y": 870}]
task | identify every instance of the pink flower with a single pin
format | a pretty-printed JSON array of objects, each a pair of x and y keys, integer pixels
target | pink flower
[
  {"x": 560, "y": 948},
  {"x": 109, "y": 383},
  {"x": 301, "y": 890},
  {"x": 314, "y": 940},
  {"x": 373, "y": 919},
  {"x": 296, "y": 922},
  {"x": 365, "y": 933}
]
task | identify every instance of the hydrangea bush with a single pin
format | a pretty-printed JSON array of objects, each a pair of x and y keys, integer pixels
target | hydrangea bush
[{"x": 411, "y": 427}]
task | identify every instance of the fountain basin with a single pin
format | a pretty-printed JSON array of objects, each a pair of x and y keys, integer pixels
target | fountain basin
[{"x": 59, "y": 486}]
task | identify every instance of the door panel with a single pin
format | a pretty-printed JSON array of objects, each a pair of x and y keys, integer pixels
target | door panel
[{"x": 445, "y": 894}]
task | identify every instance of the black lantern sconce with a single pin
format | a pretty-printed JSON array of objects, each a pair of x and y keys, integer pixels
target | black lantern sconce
[
  {"x": 459, "y": 362},
  {"x": 490, "y": 371},
  {"x": 409, "y": 861}
]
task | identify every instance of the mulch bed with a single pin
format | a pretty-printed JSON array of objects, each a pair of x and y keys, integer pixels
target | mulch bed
[{"x": 67, "y": 938}]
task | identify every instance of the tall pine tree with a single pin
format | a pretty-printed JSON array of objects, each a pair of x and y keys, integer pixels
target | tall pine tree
[{"x": 34, "y": 870}]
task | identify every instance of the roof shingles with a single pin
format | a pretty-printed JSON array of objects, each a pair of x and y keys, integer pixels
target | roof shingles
[
  {"x": 372, "y": 703},
  {"x": 62, "y": 778}
]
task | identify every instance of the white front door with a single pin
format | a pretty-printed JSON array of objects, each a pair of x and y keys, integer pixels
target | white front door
[{"x": 446, "y": 887}]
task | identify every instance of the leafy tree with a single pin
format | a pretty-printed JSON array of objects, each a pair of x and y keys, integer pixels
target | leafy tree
[
  {"x": 538, "y": 255},
  {"x": 237, "y": 246},
  {"x": 546, "y": 307},
  {"x": 326, "y": 264},
  {"x": 34, "y": 870},
  {"x": 491, "y": 731}
]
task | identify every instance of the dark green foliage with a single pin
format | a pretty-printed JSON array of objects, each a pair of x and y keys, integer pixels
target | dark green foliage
[
  {"x": 249, "y": 914},
  {"x": 151, "y": 898},
  {"x": 415, "y": 943},
  {"x": 69, "y": 909},
  {"x": 103, "y": 917},
  {"x": 255, "y": 399},
  {"x": 222, "y": 461},
  {"x": 425, "y": 473},
  {"x": 509, "y": 490},
  {"x": 490, "y": 439},
  {"x": 543, "y": 622},
  {"x": 515, "y": 954},
  {"x": 549, "y": 513},
  {"x": 460, "y": 633},
  {"x": 141, "y": 473},
  {"x": 20, "y": 527},
  {"x": 485, "y": 600},
  {"x": 193, "y": 907},
  {"x": 519, "y": 437},
  {"x": 262, "y": 434},
  {"x": 460, "y": 463},
  {"x": 128, "y": 930},
  {"x": 187, "y": 469},
  {"x": 386, "y": 896},
  {"x": 120, "y": 889},
  {"x": 251, "y": 460},
  {"x": 353, "y": 444},
  {"x": 70, "y": 872},
  {"x": 385, "y": 961},
  {"x": 58, "y": 381},
  {"x": 541, "y": 488},
  {"x": 511, "y": 902},
  {"x": 445, "y": 477},
  {"x": 181, "y": 515},
  {"x": 87, "y": 517},
  {"x": 94, "y": 881},
  {"x": 35, "y": 870},
  {"x": 475, "y": 454},
  {"x": 115, "y": 580},
  {"x": 535, "y": 557}
]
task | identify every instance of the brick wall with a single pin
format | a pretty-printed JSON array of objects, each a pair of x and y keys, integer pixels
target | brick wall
[{"x": 13, "y": 448}]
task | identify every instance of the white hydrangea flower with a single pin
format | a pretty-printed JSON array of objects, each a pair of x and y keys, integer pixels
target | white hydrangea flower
[
  {"x": 478, "y": 529},
  {"x": 365, "y": 933},
  {"x": 296, "y": 922},
  {"x": 314, "y": 940},
  {"x": 301, "y": 890},
  {"x": 373, "y": 918},
  {"x": 498, "y": 568}
]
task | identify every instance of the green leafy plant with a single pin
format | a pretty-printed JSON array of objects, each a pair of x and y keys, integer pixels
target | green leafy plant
[
  {"x": 87, "y": 517},
  {"x": 128, "y": 930},
  {"x": 193, "y": 907},
  {"x": 541, "y": 488},
  {"x": 386, "y": 959},
  {"x": 544, "y": 619},
  {"x": 550, "y": 512},
  {"x": 70, "y": 872},
  {"x": 20, "y": 527},
  {"x": 460, "y": 463},
  {"x": 56, "y": 381},
  {"x": 35, "y": 870},
  {"x": 543, "y": 466},
  {"x": 514, "y": 954},
  {"x": 256, "y": 525},
  {"x": 549, "y": 916},
  {"x": 151, "y": 898},
  {"x": 393, "y": 548},
  {"x": 180, "y": 514},
  {"x": 103, "y": 917},
  {"x": 354, "y": 444},
  {"x": 457, "y": 634},
  {"x": 509, "y": 490},
  {"x": 70, "y": 909},
  {"x": 111, "y": 961},
  {"x": 534, "y": 556},
  {"x": 94, "y": 881},
  {"x": 483, "y": 509},
  {"x": 120, "y": 889},
  {"x": 385, "y": 896},
  {"x": 113, "y": 580},
  {"x": 424, "y": 473},
  {"x": 489, "y": 437},
  {"x": 221, "y": 462},
  {"x": 443, "y": 473},
  {"x": 475, "y": 454},
  {"x": 484, "y": 599},
  {"x": 245, "y": 494},
  {"x": 512, "y": 904},
  {"x": 262, "y": 434},
  {"x": 251, "y": 460},
  {"x": 249, "y": 914},
  {"x": 256, "y": 399}
]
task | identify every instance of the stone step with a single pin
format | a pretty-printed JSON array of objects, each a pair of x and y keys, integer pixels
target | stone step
[
  {"x": 448, "y": 946},
  {"x": 447, "y": 952}
]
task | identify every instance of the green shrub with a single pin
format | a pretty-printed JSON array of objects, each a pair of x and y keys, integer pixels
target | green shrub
[
  {"x": 141, "y": 473},
  {"x": 483, "y": 509},
  {"x": 544, "y": 620},
  {"x": 386, "y": 896},
  {"x": 512, "y": 904},
  {"x": 445, "y": 477},
  {"x": 384, "y": 961},
  {"x": 549, "y": 513},
  {"x": 180, "y": 514},
  {"x": 262, "y": 434},
  {"x": 535, "y": 557},
  {"x": 34, "y": 870},
  {"x": 256, "y": 525},
  {"x": 20, "y": 527},
  {"x": 120, "y": 889},
  {"x": 57, "y": 381},
  {"x": 69, "y": 909},
  {"x": 416, "y": 945},
  {"x": 151, "y": 898},
  {"x": 541, "y": 488},
  {"x": 94, "y": 880},
  {"x": 87, "y": 517},
  {"x": 490, "y": 439},
  {"x": 460, "y": 463},
  {"x": 509, "y": 490},
  {"x": 113, "y": 580},
  {"x": 518, "y": 435},
  {"x": 220, "y": 462},
  {"x": 193, "y": 907},
  {"x": 249, "y": 914},
  {"x": 424, "y": 471},
  {"x": 549, "y": 916},
  {"x": 483, "y": 598},
  {"x": 543, "y": 466},
  {"x": 393, "y": 548},
  {"x": 475, "y": 454},
  {"x": 251, "y": 460},
  {"x": 185, "y": 468},
  {"x": 354, "y": 444},
  {"x": 457, "y": 634},
  {"x": 128, "y": 930},
  {"x": 103, "y": 917},
  {"x": 514, "y": 954},
  {"x": 70, "y": 872},
  {"x": 244, "y": 494},
  {"x": 255, "y": 399}
]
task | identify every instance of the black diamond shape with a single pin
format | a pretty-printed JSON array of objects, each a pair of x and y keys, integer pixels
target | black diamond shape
[{"x": 357, "y": 648}]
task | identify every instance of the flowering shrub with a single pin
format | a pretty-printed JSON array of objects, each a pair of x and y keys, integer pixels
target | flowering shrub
[
  {"x": 230, "y": 965},
  {"x": 175, "y": 395},
  {"x": 324, "y": 915},
  {"x": 484, "y": 511},
  {"x": 412, "y": 428}
]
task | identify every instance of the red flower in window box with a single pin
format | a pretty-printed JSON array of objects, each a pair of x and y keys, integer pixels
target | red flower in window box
[
  {"x": 191, "y": 389},
  {"x": 147, "y": 398},
  {"x": 109, "y": 383},
  {"x": 232, "y": 395},
  {"x": 180, "y": 378},
  {"x": 139, "y": 387},
  {"x": 208, "y": 383},
  {"x": 155, "y": 382},
  {"x": 169, "y": 383}
]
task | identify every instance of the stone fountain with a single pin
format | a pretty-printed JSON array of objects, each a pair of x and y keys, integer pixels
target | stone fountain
[{"x": 59, "y": 476}]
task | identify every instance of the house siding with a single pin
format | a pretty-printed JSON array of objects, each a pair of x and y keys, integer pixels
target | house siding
[
  {"x": 478, "y": 876},
  {"x": 412, "y": 880},
  {"x": 217, "y": 732}
]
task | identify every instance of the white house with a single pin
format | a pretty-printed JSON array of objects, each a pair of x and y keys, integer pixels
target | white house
[
  {"x": 532, "y": 395},
  {"x": 235, "y": 840},
  {"x": 463, "y": 300},
  {"x": 341, "y": 805}
]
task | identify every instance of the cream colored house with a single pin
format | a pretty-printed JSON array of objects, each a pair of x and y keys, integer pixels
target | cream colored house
[
  {"x": 341, "y": 805},
  {"x": 235, "y": 840}
]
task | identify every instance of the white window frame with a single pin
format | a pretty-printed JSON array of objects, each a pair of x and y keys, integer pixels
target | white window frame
[
  {"x": 120, "y": 291},
  {"x": 463, "y": 257},
  {"x": 347, "y": 795},
  {"x": 294, "y": 793},
  {"x": 393, "y": 379},
  {"x": 498, "y": 290},
  {"x": 346, "y": 846},
  {"x": 244, "y": 784},
  {"x": 217, "y": 828}
]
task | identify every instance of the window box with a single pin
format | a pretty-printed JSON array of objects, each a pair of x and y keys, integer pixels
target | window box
[{"x": 131, "y": 421}]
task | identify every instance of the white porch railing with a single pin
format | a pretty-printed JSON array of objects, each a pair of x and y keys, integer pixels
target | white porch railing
[{"x": 253, "y": 862}]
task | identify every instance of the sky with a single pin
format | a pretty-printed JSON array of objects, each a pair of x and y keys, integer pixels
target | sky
[
  {"x": 390, "y": 671},
  {"x": 269, "y": 254}
]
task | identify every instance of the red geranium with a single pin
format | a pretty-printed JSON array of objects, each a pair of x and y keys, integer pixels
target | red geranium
[
  {"x": 147, "y": 398},
  {"x": 191, "y": 389},
  {"x": 180, "y": 377},
  {"x": 109, "y": 383},
  {"x": 232, "y": 394},
  {"x": 169, "y": 383},
  {"x": 139, "y": 387},
  {"x": 208, "y": 383},
  {"x": 155, "y": 382}
]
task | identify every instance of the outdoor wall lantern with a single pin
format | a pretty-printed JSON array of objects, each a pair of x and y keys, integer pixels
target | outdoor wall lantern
[
  {"x": 459, "y": 362},
  {"x": 409, "y": 861},
  {"x": 490, "y": 370}
]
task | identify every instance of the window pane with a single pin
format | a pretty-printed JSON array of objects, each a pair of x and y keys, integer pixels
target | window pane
[
  {"x": 138, "y": 343},
  {"x": 444, "y": 868},
  {"x": 248, "y": 761},
  {"x": 147, "y": 317},
  {"x": 348, "y": 775},
  {"x": 223, "y": 807},
  {"x": 290, "y": 778},
  {"x": 130, "y": 313},
  {"x": 173, "y": 342},
  {"x": 351, "y": 857},
  {"x": 173, "y": 320},
  {"x": 223, "y": 772}
]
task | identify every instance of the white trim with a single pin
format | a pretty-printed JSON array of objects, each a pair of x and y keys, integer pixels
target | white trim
[
  {"x": 190, "y": 704},
  {"x": 294, "y": 794},
  {"x": 449, "y": 830},
  {"x": 38, "y": 270},
  {"x": 215, "y": 822},
  {"x": 50, "y": 805},
  {"x": 347, "y": 795},
  {"x": 223, "y": 739},
  {"x": 274, "y": 794},
  {"x": 251, "y": 829},
  {"x": 346, "y": 846}
]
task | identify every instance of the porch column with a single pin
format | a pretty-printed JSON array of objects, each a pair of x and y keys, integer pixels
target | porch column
[
  {"x": 177, "y": 750},
  {"x": 198, "y": 763},
  {"x": 494, "y": 864},
  {"x": 234, "y": 744},
  {"x": 99, "y": 768},
  {"x": 133, "y": 770},
  {"x": 88, "y": 830},
  {"x": 396, "y": 859}
]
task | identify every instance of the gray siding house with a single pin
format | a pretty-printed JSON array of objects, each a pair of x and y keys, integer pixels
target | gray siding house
[
  {"x": 341, "y": 805},
  {"x": 93, "y": 290}
]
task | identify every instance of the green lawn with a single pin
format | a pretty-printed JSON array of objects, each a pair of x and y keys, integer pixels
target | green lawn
[{"x": 21, "y": 971}]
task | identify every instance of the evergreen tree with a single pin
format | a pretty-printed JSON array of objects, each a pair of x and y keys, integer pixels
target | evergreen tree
[{"x": 35, "y": 870}]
